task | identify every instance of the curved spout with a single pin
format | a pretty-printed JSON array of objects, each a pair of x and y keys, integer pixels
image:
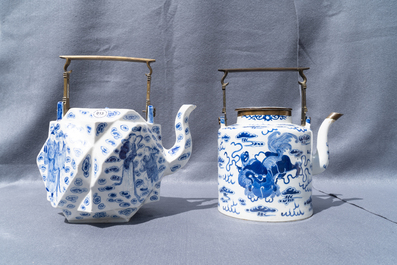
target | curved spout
[
  {"x": 321, "y": 157},
  {"x": 178, "y": 155}
]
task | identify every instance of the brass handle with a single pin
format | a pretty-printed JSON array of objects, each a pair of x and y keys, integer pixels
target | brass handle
[
  {"x": 66, "y": 74},
  {"x": 301, "y": 83}
]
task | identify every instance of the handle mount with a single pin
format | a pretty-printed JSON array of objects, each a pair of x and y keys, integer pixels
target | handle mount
[
  {"x": 66, "y": 74},
  {"x": 301, "y": 83}
]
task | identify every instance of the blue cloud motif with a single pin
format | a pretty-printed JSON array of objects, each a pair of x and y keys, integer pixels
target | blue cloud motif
[
  {"x": 112, "y": 169},
  {"x": 101, "y": 206},
  {"x": 99, "y": 215},
  {"x": 124, "y": 204},
  {"x": 104, "y": 150},
  {"x": 112, "y": 159},
  {"x": 87, "y": 201},
  {"x": 115, "y": 200},
  {"x": 116, "y": 135},
  {"x": 309, "y": 201},
  {"x": 156, "y": 129},
  {"x": 78, "y": 190},
  {"x": 85, "y": 214},
  {"x": 154, "y": 198},
  {"x": 124, "y": 127},
  {"x": 174, "y": 150},
  {"x": 226, "y": 190},
  {"x": 220, "y": 161},
  {"x": 261, "y": 210},
  {"x": 305, "y": 139},
  {"x": 246, "y": 135},
  {"x": 113, "y": 113},
  {"x": 78, "y": 182},
  {"x": 125, "y": 194},
  {"x": 62, "y": 203},
  {"x": 188, "y": 143},
  {"x": 296, "y": 152},
  {"x": 70, "y": 206},
  {"x": 72, "y": 198},
  {"x": 101, "y": 128},
  {"x": 110, "y": 142},
  {"x": 290, "y": 191},
  {"x": 139, "y": 183},
  {"x": 184, "y": 156},
  {"x": 112, "y": 195},
  {"x": 175, "y": 168},
  {"x": 127, "y": 211},
  {"x": 96, "y": 199},
  {"x": 86, "y": 166},
  {"x": 106, "y": 188},
  {"x": 77, "y": 151},
  {"x": 115, "y": 178},
  {"x": 178, "y": 126},
  {"x": 136, "y": 129},
  {"x": 66, "y": 212},
  {"x": 101, "y": 181},
  {"x": 226, "y": 138},
  {"x": 130, "y": 117}
]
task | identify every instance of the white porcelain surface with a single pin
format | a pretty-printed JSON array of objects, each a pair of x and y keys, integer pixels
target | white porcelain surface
[{"x": 265, "y": 168}]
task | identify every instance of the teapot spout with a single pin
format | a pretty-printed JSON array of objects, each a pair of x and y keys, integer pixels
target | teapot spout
[
  {"x": 179, "y": 154},
  {"x": 321, "y": 157}
]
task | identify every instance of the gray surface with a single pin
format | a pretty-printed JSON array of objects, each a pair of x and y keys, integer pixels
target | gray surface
[
  {"x": 350, "y": 47},
  {"x": 185, "y": 227}
]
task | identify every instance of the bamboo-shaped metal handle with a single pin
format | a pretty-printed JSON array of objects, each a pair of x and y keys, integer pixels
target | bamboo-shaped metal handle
[
  {"x": 106, "y": 58},
  {"x": 66, "y": 74},
  {"x": 298, "y": 69}
]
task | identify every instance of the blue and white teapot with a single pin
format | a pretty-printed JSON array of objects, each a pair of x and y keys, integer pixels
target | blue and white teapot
[
  {"x": 102, "y": 165},
  {"x": 266, "y": 163}
]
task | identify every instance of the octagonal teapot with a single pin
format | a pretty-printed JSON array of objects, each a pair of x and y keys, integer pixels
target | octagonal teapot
[
  {"x": 266, "y": 163},
  {"x": 102, "y": 165}
]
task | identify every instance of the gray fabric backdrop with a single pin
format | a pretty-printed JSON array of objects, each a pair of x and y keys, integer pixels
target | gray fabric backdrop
[{"x": 350, "y": 47}]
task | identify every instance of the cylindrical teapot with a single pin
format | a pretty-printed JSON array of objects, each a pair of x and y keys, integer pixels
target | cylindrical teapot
[{"x": 266, "y": 163}]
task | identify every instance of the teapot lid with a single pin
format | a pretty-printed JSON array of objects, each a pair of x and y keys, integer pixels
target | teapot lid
[{"x": 263, "y": 111}]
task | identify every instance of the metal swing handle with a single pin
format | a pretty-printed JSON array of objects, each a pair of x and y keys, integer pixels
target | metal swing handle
[
  {"x": 66, "y": 74},
  {"x": 301, "y": 83}
]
